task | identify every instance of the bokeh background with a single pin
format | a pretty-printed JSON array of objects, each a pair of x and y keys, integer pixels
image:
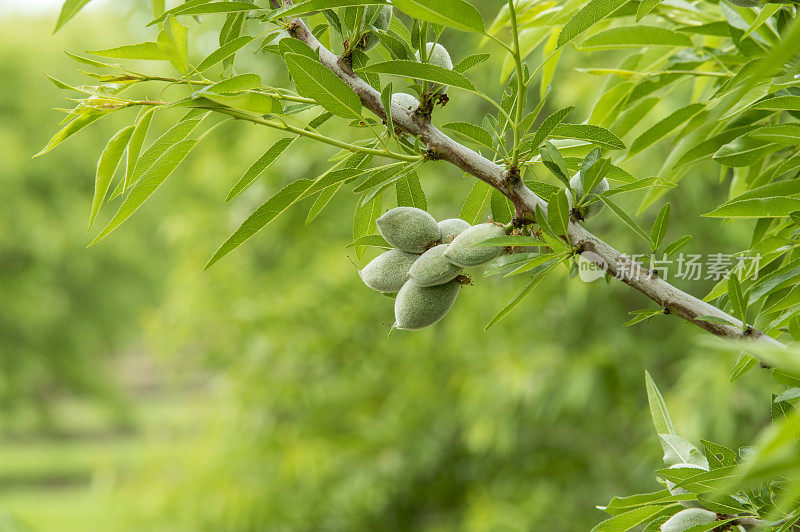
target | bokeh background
[{"x": 138, "y": 392}]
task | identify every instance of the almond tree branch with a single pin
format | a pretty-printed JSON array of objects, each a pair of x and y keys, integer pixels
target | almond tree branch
[{"x": 634, "y": 274}]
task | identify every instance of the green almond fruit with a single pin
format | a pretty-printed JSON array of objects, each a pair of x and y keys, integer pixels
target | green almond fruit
[
  {"x": 409, "y": 229},
  {"x": 431, "y": 268},
  {"x": 388, "y": 271},
  {"x": 686, "y": 519},
  {"x": 464, "y": 251},
  {"x": 452, "y": 227},
  {"x": 587, "y": 211},
  {"x": 417, "y": 307}
]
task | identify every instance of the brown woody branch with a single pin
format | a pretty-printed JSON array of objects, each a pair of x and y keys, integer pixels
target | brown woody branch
[{"x": 621, "y": 267}]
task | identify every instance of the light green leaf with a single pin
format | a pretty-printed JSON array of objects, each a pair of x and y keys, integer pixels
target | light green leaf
[
  {"x": 547, "y": 126},
  {"x": 172, "y": 136},
  {"x": 774, "y": 207},
  {"x": 476, "y": 202},
  {"x": 106, "y": 166},
  {"x": 313, "y": 80},
  {"x": 658, "y": 408},
  {"x": 634, "y": 37},
  {"x": 517, "y": 299},
  {"x": 70, "y": 129},
  {"x": 744, "y": 151},
  {"x": 202, "y": 7},
  {"x": 677, "y": 244},
  {"x": 322, "y": 200},
  {"x": 767, "y": 11},
  {"x": 779, "y": 103},
  {"x": 456, "y": 14},
  {"x": 267, "y": 212},
  {"x": 645, "y": 7},
  {"x": 258, "y": 167},
  {"x": 253, "y": 102},
  {"x": 737, "y": 299},
  {"x": 472, "y": 132},
  {"x": 679, "y": 451},
  {"x": 470, "y": 61},
  {"x": 630, "y": 222},
  {"x": 631, "y": 519},
  {"x": 781, "y": 133},
  {"x": 173, "y": 40},
  {"x": 421, "y": 71},
  {"x": 376, "y": 241},
  {"x": 409, "y": 192},
  {"x": 659, "y": 228},
  {"x": 742, "y": 366},
  {"x": 238, "y": 83},
  {"x": 224, "y": 52},
  {"x": 590, "y": 14},
  {"x": 144, "y": 51},
  {"x": 160, "y": 170},
  {"x": 386, "y": 101},
  {"x": 312, "y": 6},
  {"x": 663, "y": 127},
  {"x": 558, "y": 213},
  {"x": 588, "y": 132},
  {"x": 69, "y": 9},
  {"x": 135, "y": 146}
]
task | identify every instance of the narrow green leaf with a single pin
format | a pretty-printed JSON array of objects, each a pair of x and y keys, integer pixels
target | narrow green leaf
[
  {"x": 616, "y": 209},
  {"x": 737, "y": 299},
  {"x": 588, "y": 132},
  {"x": 558, "y": 213},
  {"x": 313, "y": 80},
  {"x": 775, "y": 207},
  {"x": 223, "y": 52},
  {"x": 386, "y": 101},
  {"x": 659, "y": 228},
  {"x": 635, "y": 37},
  {"x": 138, "y": 137},
  {"x": 364, "y": 220},
  {"x": 590, "y": 14},
  {"x": 202, "y": 7},
  {"x": 677, "y": 244},
  {"x": 780, "y": 133},
  {"x": 173, "y": 41},
  {"x": 663, "y": 127},
  {"x": 69, "y": 9},
  {"x": 470, "y": 61},
  {"x": 744, "y": 151},
  {"x": 311, "y": 6},
  {"x": 172, "y": 136},
  {"x": 267, "y": 212},
  {"x": 631, "y": 519},
  {"x": 658, "y": 408},
  {"x": 645, "y": 7},
  {"x": 70, "y": 129},
  {"x": 472, "y": 132},
  {"x": 376, "y": 241},
  {"x": 153, "y": 178},
  {"x": 258, "y": 167},
  {"x": 476, "y": 202},
  {"x": 106, "y": 166},
  {"x": 456, "y": 14},
  {"x": 517, "y": 299},
  {"x": 420, "y": 71},
  {"x": 547, "y": 126},
  {"x": 409, "y": 192},
  {"x": 767, "y": 11},
  {"x": 779, "y": 103},
  {"x": 325, "y": 196}
]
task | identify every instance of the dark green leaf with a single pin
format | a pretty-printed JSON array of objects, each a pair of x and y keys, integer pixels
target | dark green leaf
[
  {"x": 315, "y": 81},
  {"x": 420, "y": 71},
  {"x": 456, "y": 14}
]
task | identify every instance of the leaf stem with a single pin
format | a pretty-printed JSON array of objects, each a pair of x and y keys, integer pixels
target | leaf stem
[{"x": 317, "y": 136}]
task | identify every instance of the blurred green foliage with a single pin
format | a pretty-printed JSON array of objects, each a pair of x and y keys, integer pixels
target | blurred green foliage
[{"x": 319, "y": 421}]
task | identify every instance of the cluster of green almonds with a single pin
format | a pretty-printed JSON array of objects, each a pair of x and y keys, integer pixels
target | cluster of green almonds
[{"x": 425, "y": 266}]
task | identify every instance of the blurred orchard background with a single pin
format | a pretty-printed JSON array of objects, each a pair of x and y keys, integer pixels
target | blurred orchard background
[{"x": 138, "y": 392}]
